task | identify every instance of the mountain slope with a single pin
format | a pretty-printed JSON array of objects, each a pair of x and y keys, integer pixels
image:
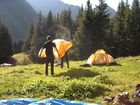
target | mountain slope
[
  {"x": 111, "y": 11},
  {"x": 56, "y": 6},
  {"x": 17, "y": 16}
]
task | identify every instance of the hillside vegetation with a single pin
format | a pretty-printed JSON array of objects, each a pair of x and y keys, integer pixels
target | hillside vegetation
[
  {"x": 17, "y": 15},
  {"x": 89, "y": 84}
]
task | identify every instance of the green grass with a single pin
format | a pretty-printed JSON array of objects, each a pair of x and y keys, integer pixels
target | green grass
[{"x": 88, "y": 84}]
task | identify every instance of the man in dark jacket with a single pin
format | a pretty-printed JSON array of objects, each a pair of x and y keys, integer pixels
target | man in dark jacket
[
  {"x": 49, "y": 54},
  {"x": 67, "y": 61}
]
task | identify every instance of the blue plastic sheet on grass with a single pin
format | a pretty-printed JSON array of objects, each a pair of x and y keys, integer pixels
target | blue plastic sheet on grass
[
  {"x": 28, "y": 101},
  {"x": 22, "y": 101}
]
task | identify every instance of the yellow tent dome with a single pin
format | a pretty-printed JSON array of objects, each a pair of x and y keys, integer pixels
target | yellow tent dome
[
  {"x": 100, "y": 57},
  {"x": 62, "y": 46}
]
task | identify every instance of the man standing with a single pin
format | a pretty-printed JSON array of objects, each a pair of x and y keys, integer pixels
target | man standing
[
  {"x": 67, "y": 61},
  {"x": 49, "y": 54}
]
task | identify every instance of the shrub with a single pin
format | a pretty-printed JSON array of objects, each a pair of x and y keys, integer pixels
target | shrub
[
  {"x": 103, "y": 79},
  {"x": 22, "y": 59},
  {"x": 83, "y": 90},
  {"x": 40, "y": 88}
]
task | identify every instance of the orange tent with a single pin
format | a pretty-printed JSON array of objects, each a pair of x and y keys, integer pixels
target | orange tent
[
  {"x": 100, "y": 57},
  {"x": 62, "y": 46}
]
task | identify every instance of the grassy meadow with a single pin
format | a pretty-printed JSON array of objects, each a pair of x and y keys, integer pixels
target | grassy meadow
[{"x": 88, "y": 84}]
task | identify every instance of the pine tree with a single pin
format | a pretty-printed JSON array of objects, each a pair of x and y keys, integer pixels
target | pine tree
[
  {"x": 43, "y": 28},
  {"x": 79, "y": 16},
  {"x": 50, "y": 25},
  {"x": 83, "y": 37},
  {"x": 91, "y": 29},
  {"x": 65, "y": 25},
  {"x": 77, "y": 35},
  {"x": 37, "y": 39},
  {"x": 27, "y": 43},
  {"x": 127, "y": 29},
  {"x": 135, "y": 27},
  {"x": 17, "y": 46},
  {"x": 110, "y": 40},
  {"x": 119, "y": 31},
  {"x": 101, "y": 23},
  {"x": 5, "y": 43},
  {"x": 123, "y": 35}
]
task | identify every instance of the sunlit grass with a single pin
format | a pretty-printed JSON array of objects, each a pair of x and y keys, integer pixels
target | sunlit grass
[{"x": 88, "y": 84}]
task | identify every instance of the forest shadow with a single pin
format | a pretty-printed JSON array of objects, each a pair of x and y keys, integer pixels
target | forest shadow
[{"x": 78, "y": 73}]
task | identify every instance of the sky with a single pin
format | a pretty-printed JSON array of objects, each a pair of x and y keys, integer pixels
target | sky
[{"x": 111, "y": 3}]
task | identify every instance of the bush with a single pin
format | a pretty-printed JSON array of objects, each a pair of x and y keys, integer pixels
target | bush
[
  {"x": 103, "y": 79},
  {"x": 83, "y": 90},
  {"x": 41, "y": 88},
  {"x": 22, "y": 59}
]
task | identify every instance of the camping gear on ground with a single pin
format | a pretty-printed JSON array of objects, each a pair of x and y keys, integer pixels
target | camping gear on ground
[
  {"x": 85, "y": 65},
  {"x": 21, "y": 101},
  {"x": 137, "y": 94},
  {"x": 62, "y": 46},
  {"x": 123, "y": 99},
  {"x": 6, "y": 65},
  {"x": 100, "y": 57},
  {"x": 27, "y": 101}
]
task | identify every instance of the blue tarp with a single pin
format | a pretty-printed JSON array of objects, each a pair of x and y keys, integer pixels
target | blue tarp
[
  {"x": 24, "y": 101},
  {"x": 28, "y": 101}
]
